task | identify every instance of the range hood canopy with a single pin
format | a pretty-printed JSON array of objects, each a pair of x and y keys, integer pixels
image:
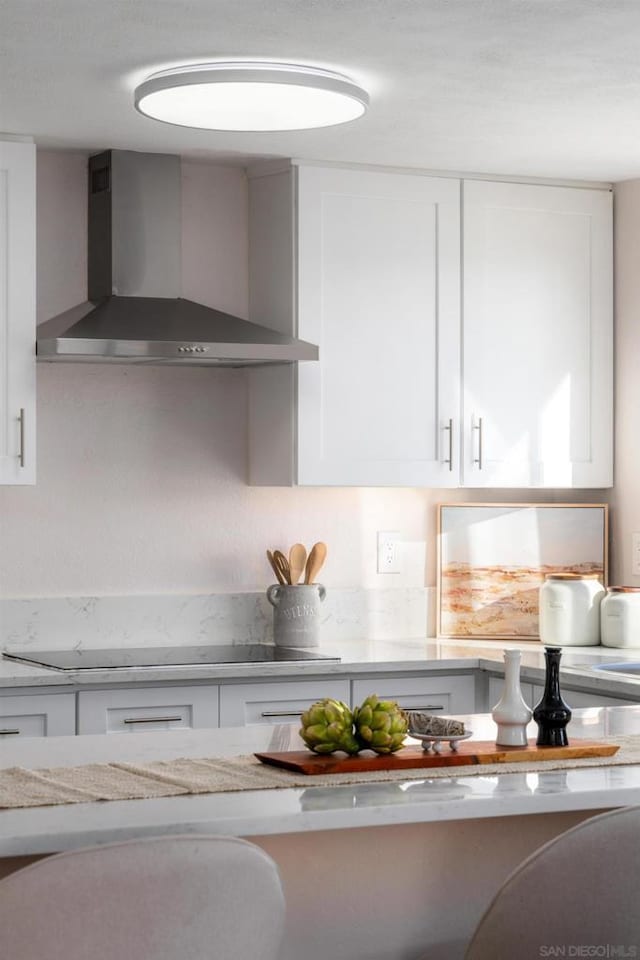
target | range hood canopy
[{"x": 134, "y": 313}]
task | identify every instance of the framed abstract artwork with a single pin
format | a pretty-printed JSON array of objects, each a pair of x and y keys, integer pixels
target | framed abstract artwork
[{"x": 493, "y": 558}]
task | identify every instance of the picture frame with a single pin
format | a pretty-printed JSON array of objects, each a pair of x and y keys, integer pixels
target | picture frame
[{"x": 493, "y": 557}]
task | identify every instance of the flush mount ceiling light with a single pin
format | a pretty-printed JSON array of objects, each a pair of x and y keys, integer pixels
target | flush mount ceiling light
[{"x": 250, "y": 96}]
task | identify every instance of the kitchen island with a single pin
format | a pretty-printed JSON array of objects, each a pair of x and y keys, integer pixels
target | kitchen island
[{"x": 372, "y": 871}]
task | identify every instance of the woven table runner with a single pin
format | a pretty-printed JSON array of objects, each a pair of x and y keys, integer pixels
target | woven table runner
[{"x": 172, "y": 778}]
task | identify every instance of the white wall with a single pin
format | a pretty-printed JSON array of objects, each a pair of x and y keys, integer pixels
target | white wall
[
  {"x": 141, "y": 471},
  {"x": 626, "y": 494}
]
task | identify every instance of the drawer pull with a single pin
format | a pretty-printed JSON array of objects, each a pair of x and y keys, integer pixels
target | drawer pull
[
  {"x": 427, "y": 706},
  {"x": 9, "y": 733},
  {"x": 150, "y": 719},
  {"x": 281, "y": 713}
]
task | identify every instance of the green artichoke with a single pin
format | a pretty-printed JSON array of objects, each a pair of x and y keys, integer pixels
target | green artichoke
[
  {"x": 327, "y": 726},
  {"x": 380, "y": 725}
]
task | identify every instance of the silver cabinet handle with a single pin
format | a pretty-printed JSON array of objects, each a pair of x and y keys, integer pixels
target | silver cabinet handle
[
  {"x": 150, "y": 719},
  {"x": 281, "y": 713},
  {"x": 21, "y": 449},
  {"x": 449, "y": 427},
  {"x": 428, "y": 706},
  {"x": 9, "y": 733},
  {"x": 478, "y": 427}
]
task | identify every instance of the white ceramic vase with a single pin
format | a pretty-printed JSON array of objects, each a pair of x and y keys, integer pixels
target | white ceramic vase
[{"x": 511, "y": 713}]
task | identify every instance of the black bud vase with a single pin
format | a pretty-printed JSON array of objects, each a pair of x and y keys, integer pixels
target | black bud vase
[{"x": 552, "y": 714}]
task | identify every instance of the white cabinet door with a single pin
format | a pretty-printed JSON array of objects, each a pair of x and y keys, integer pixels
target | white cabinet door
[
  {"x": 17, "y": 312},
  {"x": 366, "y": 265},
  {"x": 147, "y": 710},
  {"x": 446, "y": 694},
  {"x": 378, "y": 291},
  {"x": 38, "y": 715},
  {"x": 538, "y": 334},
  {"x": 279, "y": 702}
]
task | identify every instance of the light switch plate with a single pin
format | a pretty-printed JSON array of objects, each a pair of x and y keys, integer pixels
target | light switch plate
[{"x": 635, "y": 554}]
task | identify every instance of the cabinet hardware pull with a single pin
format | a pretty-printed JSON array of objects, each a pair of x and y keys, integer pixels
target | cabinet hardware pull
[
  {"x": 449, "y": 427},
  {"x": 21, "y": 422},
  {"x": 150, "y": 719},
  {"x": 282, "y": 713},
  {"x": 428, "y": 706},
  {"x": 6, "y": 733},
  {"x": 478, "y": 427}
]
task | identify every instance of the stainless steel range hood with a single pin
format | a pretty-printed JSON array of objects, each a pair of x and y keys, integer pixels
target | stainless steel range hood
[{"x": 135, "y": 313}]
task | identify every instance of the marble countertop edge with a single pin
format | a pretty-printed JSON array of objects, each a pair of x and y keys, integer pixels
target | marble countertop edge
[{"x": 404, "y": 655}]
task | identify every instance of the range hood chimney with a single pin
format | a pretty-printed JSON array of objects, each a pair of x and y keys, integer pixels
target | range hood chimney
[{"x": 135, "y": 313}]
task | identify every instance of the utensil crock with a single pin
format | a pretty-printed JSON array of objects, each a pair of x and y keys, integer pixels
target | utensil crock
[{"x": 296, "y": 614}]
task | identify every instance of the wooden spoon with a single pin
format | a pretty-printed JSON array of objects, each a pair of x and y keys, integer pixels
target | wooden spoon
[
  {"x": 275, "y": 568},
  {"x": 283, "y": 565},
  {"x": 314, "y": 562},
  {"x": 297, "y": 559}
]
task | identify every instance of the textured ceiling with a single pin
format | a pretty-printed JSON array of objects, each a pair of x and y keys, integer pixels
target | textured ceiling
[{"x": 535, "y": 87}]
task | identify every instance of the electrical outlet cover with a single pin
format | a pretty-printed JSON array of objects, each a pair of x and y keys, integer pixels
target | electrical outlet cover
[{"x": 388, "y": 551}]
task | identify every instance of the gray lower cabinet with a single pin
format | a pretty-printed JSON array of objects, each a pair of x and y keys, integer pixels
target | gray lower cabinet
[
  {"x": 37, "y": 715},
  {"x": 138, "y": 709},
  {"x": 496, "y": 686},
  {"x": 446, "y": 693},
  {"x": 532, "y": 693},
  {"x": 147, "y": 709},
  {"x": 582, "y": 698},
  {"x": 278, "y": 702}
]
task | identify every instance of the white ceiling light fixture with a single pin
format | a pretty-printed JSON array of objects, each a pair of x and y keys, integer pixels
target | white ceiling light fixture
[{"x": 250, "y": 96}]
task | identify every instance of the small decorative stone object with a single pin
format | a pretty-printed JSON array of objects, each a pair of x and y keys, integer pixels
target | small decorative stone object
[
  {"x": 511, "y": 713},
  {"x": 552, "y": 714},
  {"x": 429, "y": 725}
]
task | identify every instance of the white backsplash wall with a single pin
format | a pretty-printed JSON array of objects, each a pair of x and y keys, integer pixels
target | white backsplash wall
[
  {"x": 84, "y": 623},
  {"x": 141, "y": 470}
]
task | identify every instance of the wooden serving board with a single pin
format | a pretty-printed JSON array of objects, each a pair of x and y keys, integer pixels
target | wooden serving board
[{"x": 471, "y": 752}]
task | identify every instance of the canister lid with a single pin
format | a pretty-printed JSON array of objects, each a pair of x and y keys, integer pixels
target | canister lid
[
  {"x": 572, "y": 576},
  {"x": 623, "y": 589}
]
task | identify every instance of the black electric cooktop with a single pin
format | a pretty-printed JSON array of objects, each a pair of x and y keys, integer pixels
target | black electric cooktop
[{"x": 164, "y": 656}]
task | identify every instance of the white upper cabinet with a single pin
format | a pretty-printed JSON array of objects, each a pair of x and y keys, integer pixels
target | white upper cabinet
[
  {"x": 17, "y": 312},
  {"x": 378, "y": 291},
  {"x": 510, "y": 388},
  {"x": 538, "y": 332},
  {"x": 377, "y": 263}
]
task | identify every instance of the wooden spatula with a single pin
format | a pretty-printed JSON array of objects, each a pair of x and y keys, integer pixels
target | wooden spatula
[
  {"x": 297, "y": 559},
  {"x": 274, "y": 567},
  {"x": 282, "y": 565},
  {"x": 314, "y": 562}
]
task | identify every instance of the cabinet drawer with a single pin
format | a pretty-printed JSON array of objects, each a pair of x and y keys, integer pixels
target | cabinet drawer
[
  {"x": 445, "y": 694},
  {"x": 51, "y": 715},
  {"x": 245, "y": 703},
  {"x": 148, "y": 710}
]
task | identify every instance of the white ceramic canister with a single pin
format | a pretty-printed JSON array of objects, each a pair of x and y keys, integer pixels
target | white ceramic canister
[
  {"x": 569, "y": 610},
  {"x": 296, "y": 614},
  {"x": 620, "y": 617}
]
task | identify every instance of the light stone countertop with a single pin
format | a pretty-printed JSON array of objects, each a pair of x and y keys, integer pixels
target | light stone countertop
[
  {"x": 290, "y": 811},
  {"x": 357, "y": 657}
]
